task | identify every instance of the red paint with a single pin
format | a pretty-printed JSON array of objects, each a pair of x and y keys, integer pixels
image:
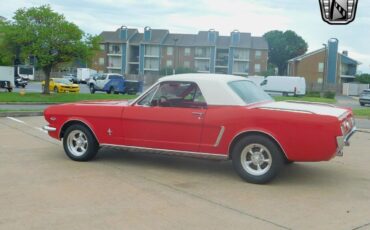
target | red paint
[{"x": 302, "y": 136}]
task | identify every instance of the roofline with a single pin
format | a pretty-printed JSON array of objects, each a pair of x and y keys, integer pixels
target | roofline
[{"x": 306, "y": 55}]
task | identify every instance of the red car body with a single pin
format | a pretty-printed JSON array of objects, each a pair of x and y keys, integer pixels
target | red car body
[{"x": 301, "y": 130}]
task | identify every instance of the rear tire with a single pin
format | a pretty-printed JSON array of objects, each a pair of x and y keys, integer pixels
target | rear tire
[
  {"x": 10, "y": 90},
  {"x": 362, "y": 104},
  {"x": 92, "y": 88},
  {"x": 257, "y": 159},
  {"x": 79, "y": 143}
]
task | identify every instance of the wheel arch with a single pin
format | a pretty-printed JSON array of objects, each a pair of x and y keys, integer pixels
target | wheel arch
[
  {"x": 69, "y": 123},
  {"x": 255, "y": 132}
]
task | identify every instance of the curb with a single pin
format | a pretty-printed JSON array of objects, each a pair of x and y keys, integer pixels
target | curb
[{"x": 22, "y": 114}]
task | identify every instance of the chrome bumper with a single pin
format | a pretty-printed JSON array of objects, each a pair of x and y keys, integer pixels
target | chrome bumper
[
  {"x": 49, "y": 128},
  {"x": 344, "y": 141}
]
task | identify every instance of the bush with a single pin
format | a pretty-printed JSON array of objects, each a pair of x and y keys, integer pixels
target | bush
[
  {"x": 313, "y": 94},
  {"x": 329, "y": 94},
  {"x": 363, "y": 78}
]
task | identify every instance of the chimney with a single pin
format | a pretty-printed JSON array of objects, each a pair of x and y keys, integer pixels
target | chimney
[{"x": 345, "y": 53}]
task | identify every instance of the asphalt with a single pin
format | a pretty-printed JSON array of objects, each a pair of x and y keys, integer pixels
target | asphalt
[{"x": 40, "y": 188}]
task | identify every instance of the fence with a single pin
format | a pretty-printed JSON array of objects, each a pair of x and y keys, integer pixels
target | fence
[{"x": 354, "y": 89}]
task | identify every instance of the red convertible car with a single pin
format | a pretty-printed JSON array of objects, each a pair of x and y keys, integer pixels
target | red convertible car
[{"x": 210, "y": 116}]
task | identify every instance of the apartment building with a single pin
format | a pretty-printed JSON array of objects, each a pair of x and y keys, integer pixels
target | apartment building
[
  {"x": 324, "y": 66},
  {"x": 128, "y": 51}
]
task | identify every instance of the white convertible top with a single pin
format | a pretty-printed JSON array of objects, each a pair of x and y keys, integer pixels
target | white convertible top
[{"x": 214, "y": 87}]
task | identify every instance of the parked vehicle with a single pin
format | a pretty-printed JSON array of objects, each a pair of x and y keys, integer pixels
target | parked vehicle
[
  {"x": 23, "y": 74},
  {"x": 72, "y": 78},
  {"x": 112, "y": 83},
  {"x": 203, "y": 115},
  {"x": 365, "y": 97},
  {"x": 7, "y": 78},
  {"x": 84, "y": 74},
  {"x": 61, "y": 85},
  {"x": 281, "y": 85}
]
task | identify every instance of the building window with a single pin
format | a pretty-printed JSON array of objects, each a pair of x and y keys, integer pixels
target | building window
[
  {"x": 169, "y": 63},
  {"x": 321, "y": 67},
  {"x": 258, "y": 54},
  {"x": 257, "y": 68},
  {"x": 101, "y": 61},
  {"x": 102, "y": 47},
  {"x": 187, "y": 51},
  {"x": 187, "y": 64},
  {"x": 169, "y": 51}
]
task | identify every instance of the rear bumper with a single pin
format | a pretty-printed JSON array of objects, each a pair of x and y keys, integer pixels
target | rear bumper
[
  {"x": 49, "y": 128},
  {"x": 344, "y": 141}
]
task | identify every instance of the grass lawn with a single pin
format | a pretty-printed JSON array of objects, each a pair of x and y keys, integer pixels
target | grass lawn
[
  {"x": 309, "y": 99},
  {"x": 362, "y": 112},
  {"x": 59, "y": 97}
]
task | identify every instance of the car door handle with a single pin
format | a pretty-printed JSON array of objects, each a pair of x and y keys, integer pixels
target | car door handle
[{"x": 198, "y": 114}]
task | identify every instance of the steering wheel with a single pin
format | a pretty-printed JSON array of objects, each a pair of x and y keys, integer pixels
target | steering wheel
[{"x": 163, "y": 101}]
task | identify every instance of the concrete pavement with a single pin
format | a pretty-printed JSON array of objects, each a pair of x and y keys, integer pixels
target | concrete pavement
[{"x": 41, "y": 189}]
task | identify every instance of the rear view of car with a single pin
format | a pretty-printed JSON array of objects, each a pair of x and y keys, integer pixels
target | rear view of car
[{"x": 365, "y": 97}]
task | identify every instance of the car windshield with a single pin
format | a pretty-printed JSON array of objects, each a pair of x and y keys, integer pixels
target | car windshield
[
  {"x": 62, "y": 81},
  {"x": 249, "y": 92}
]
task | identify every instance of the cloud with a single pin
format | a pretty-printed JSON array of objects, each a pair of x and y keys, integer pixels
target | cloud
[{"x": 181, "y": 16}]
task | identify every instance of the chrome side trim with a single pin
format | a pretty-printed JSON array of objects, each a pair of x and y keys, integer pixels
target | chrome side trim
[
  {"x": 258, "y": 131},
  {"x": 83, "y": 122},
  {"x": 49, "y": 128},
  {"x": 288, "y": 110},
  {"x": 312, "y": 103},
  {"x": 169, "y": 152},
  {"x": 219, "y": 137}
]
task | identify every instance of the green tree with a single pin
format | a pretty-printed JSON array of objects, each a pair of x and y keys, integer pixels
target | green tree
[
  {"x": 47, "y": 35},
  {"x": 284, "y": 46},
  {"x": 363, "y": 78},
  {"x": 5, "y": 50}
]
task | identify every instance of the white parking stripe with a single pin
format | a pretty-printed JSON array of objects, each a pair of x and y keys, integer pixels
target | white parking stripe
[{"x": 15, "y": 119}]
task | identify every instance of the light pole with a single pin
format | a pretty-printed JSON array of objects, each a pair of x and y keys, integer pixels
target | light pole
[{"x": 174, "y": 59}]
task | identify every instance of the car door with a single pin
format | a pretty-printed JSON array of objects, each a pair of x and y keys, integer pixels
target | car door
[
  {"x": 167, "y": 117},
  {"x": 101, "y": 80}
]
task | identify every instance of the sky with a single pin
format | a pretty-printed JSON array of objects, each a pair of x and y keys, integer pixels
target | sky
[{"x": 190, "y": 16}]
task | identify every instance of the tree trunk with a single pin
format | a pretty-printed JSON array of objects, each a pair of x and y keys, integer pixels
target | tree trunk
[{"x": 47, "y": 71}]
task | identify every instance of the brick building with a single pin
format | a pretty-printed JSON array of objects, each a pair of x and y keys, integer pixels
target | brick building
[
  {"x": 128, "y": 51},
  {"x": 324, "y": 66}
]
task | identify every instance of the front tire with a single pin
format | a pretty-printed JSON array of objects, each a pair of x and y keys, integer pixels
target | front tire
[
  {"x": 56, "y": 90},
  {"x": 257, "y": 159},
  {"x": 79, "y": 143}
]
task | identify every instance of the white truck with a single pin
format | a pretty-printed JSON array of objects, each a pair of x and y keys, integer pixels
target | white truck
[
  {"x": 84, "y": 74},
  {"x": 7, "y": 77},
  {"x": 284, "y": 85},
  {"x": 281, "y": 85}
]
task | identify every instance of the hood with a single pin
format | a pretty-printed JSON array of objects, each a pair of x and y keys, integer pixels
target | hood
[{"x": 306, "y": 107}]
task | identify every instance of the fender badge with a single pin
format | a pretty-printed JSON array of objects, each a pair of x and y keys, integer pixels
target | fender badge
[{"x": 109, "y": 131}]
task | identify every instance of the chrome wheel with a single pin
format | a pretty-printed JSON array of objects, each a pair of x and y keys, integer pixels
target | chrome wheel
[
  {"x": 256, "y": 159},
  {"x": 77, "y": 143}
]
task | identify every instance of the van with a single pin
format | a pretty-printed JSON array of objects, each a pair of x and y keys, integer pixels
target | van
[{"x": 284, "y": 85}]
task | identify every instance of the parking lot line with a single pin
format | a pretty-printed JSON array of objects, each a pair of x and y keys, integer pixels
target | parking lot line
[{"x": 16, "y": 120}]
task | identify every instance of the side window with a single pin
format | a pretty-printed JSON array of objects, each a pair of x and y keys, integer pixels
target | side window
[
  {"x": 147, "y": 100},
  {"x": 175, "y": 94}
]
